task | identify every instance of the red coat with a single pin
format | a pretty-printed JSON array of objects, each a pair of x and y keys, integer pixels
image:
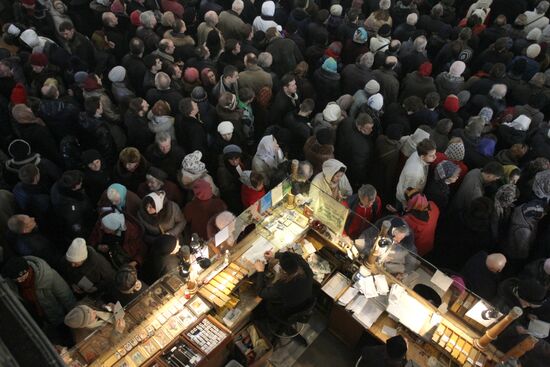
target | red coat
[
  {"x": 132, "y": 244},
  {"x": 424, "y": 232},
  {"x": 249, "y": 196},
  {"x": 362, "y": 218}
]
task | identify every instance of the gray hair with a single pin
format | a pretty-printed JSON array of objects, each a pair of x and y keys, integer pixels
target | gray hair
[
  {"x": 162, "y": 137},
  {"x": 367, "y": 59},
  {"x": 420, "y": 43},
  {"x": 162, "y": 81},
  {"x": 147, "y": 19},
  {"x": 211, "y": 18},
  {"x": 367, "y": 191},
  {"x": 404, "y": 229},
  {"x": 265, "y": 59},
  {"x": 237, "y": 6}
]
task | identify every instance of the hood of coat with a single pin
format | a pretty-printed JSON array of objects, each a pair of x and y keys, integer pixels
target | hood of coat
[
  {"x": 331, "y": 167},
  {"x": 42, "y": 271},
  {"x": 268, "y": 8},
  {"x": 410, "y": 142}
]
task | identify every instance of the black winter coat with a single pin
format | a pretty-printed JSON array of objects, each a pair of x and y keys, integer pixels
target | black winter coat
[
  {"x": 95, "y": 134},
  {"x": 60, "y": 117},
  {"x": 191, "y": 134},
  {"x": 74, "y": 210},
  {"x": 138, "y": 132},
  {"x": 328, "y": 84},
  {"x": 96, "y": 268},
  {"x": 355, "y": 150},
  {"x": 135, "y": 69},
  {"x": 172, "y": 96}
]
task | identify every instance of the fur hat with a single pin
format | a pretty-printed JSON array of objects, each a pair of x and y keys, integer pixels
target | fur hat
[
  {"x": 225, "y": 127},
  {"x": 332, "y": 112},
  {"x": 531, "y": 291},
  {"x": 15, "y": 267},
  {"x": 324, "y": 136},
  {"x": 79, "y": 317},
  {"x": 38, "y": 59},
  {"x": 129, "y": 155},
  {"x": 77, "y": 251},
  {"x": 117, "y": 74}
]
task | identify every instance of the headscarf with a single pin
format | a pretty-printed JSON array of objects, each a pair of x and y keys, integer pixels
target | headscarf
[
  {"x": 520, "y": 123},
  {"x": 158, "y": 199},
  {"x": 268, "y": 152},
  {"x": 24, "y": 115},
  {"x": 445, "y": 170},
  {"x": 505, "y": 197},
  {"x": 114, "y": 222},
  {"x": 192, "y": 163},
  {"x": 475, "y": 127},
  {"x": 541, "y": 185},
  {"x": 455, "y": 151},
  {"x": 418, "y": 202},
  {"x": 121, "y": 191}
]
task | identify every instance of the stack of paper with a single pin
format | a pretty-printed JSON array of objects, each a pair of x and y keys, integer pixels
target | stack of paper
[
  {"x": 357, "y": 304},
  {"x": 348, "y": 296},
  {"x": 539, "y": 329},
  {"x": 369, "y": 313},
  {"x": 410, "y": 312},
  {"x": 336, "y": 285},
  {"x": 367, "y": 287},
  {"x": 381, "y": 284}
]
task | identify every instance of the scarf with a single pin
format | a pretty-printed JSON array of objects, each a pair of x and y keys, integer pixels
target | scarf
[
  {"x": 27, "y": 290},
  {"x": 505, "y": 197}
]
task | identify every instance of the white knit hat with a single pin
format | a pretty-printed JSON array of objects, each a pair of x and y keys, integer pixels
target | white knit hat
[
  {"x": 376, "y": 102},
  {"x": 117, "y": 74},
  {"x": 77, "y": 251},
  {"x": 225, "y": 127},
  {"x": 372, "y": 87},
  {"x": 533, "y": 51},
  {"x": 336, "y": 10},
  {"x": 332, "y": 112}
]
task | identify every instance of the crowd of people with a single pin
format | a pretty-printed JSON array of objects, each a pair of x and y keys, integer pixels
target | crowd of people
[{"x": 128, "y": 125}]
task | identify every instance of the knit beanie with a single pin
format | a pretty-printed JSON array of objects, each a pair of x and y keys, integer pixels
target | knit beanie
[
  {"x": 18, "y": 94},
  {"x": 531, "y": 291},
  {"x": 332, "y": 112},
  {"x": 330, "y": 65},
  {"x": 91, "y": 84},
  {"x": 336, "y": 10},
  {"x": 394, "y": 131},
  {"x": 372, "y": 87},
  {"x": 534, "y": 34},
  {"x": 19, "y": 150},
  {"x": 114, "y": 222},
  {"x": 457, "y": 68},
  {"x": 451, "y": 103},
  {"x": 117, "y": 7},
  {"x": 224, "y": 219},
  {"x": 198, "y": 94},
  {"x": 90, "y": 155},
  {"x": 486, "y": 146},
  {"x": 191, "y": 75},
  {"x": 134, "y": 18},
  {"x": 445, "y": 170},
  {"x": 225, "y": 127},
  {"x": 202, "y": 190},
  {"x": 486, "y": 113},
  {"x": 376, "y": 102},
  {"x": 361, "y": 35},
  {"x": 412, "y": 19},
  {"x": 384, "y": 31},
  {"x": 455, "y": 151},
  {"x": 384, "y": 4},
  {"x": 15, "y": 267},
  {"x": 117, "y": 74},
  {"x": 38, "y": 59},
  {"x": 533, "y": 51},
  {"x": 80, "y": 77},
  {"x": 425, "y": 69},
  {"x": 77, "y": 251},
  {"x": 192, "y": 163},
  {"x": 79, "y": 317},
  {"x": 232, "y": 150}
]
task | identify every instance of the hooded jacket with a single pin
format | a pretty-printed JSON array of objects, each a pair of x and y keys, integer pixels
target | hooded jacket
[
  {"x": 53, "y": 293},
  {"x": 523, "y": 229},
  {"x": 265, "y": 21},
  {"x": 322, "y": 182}
]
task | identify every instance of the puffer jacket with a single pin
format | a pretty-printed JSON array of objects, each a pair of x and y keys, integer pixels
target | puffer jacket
[
  {"x": 60, "y": 117},
  {"x": 523, "y": 229}
]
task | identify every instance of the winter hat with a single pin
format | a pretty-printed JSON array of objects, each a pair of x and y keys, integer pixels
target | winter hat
[
  {"x": 324, "y": 136},
  {"x": 80, "y": 77},
  {"x": 19, "y": 150},
  {"x": 79, "y": 317},
  {"x": 13, "y": 30},
  {"x": 336, "y": 10},
  {"x": 134, "y": 18},
  {"x": 77, "y": 251},
  {"x": 445, "y": 170},
  {"x": 367, "y": 59},
  {"x": 90, "y": 155},
  {"x": 533, "y": 51},
  {"x": 225, "y": 127},
  {"x": 361, "y": 35},
  {"x": 157, "y": 174},
  {"x": 165, "y": 244},
  {"x": 376, "y": 102},
  {"x": 457, "y": 68},
  {"x": 202, "y": 189},
  {"x": 268, "y": 8},
  {"x": 486, "y": 146},
  {"x": 534, "y": 34},
  {"x": 463, "y": 97},
  {"x": 475, "y": 126},
  {"x": 191, "y": 75},
  {"x": 412, "y": 19},
  {"x": 425, "y": 69},
  {"x": 232, "y": 150},
  {"x": 18, "y": 94},
  {"x": 30, "y": 37},
  {"x": 330, "y": 65},
  {"x": 538, "y": 80},
  {"x": 114, "y": 222},
  {"x": 192, "y": 163},
  {"x": 384, "y": 4},
  {"x": 394, "y": 131},
  {"x": 541, "y": 185},
  {"x": 38, "y": 59},
  {"x": 126, "y": 278},
  {"x": 384, "y": 31},
  {"x": 332, "y": 112},
  {"x": 158, "y": 199},
  {"x": 198, "y": 94},
  {"x": 455, "y": 151},
  {"x": 91, "y": 83},
  {"x": 15, "y": 267},
  {"x": 372, "y": 87},
  {"x": 334, "y": 49},
  {"x": 224, "y": 219},
  {"x": 531, "y": 291},
  {"x": 451, "y": 103},
  {"x": 520, "y": 123},
  {"x": 418, "y": 202},
  {"x": 505, "y": 197},
  {"x": 288, "y": 262},
  {"x": 486, "y": 113},
  {"x": 117, "y": 7},
  {"x": 117, "y": 74},
  {"x": 396, "y": 347}
]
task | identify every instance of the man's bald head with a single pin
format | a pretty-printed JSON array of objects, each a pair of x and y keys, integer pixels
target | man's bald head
[{"x": 495, "y": 262}]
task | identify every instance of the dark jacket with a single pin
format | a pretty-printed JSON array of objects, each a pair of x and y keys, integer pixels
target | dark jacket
[
  {"x": 317, "y": 153},
  {"x": 169, "y": 162},
  {"x": 95, "y": 134},
  {"x": 138, "y": 132},
  {"x": 329, "y": 84},
  {"x": 354, "y": 77},
  {"x": 96, "y": 268},
  {"x": 73, "y": 209},
  {"x": 282, "y": 104},
  {"x": 415, "y": 84},
  {"x": 171, "y": 96},
  {"x": 285, "y": 55},
  {"x": 300, "y": 132},
  {"x": 386, "y": 165},
  {"x": 191, "y": 134},
  {"x": 60, "y": 117},
  {"x": 135, "y": 69},
  {"x": 131, "y": 179},
  {"x": 149, "y": 38},
  {"x": 389, "y": 85},
  {"x": 355, "y": 150},
  {"x": 159, "y": 263},
  {"x": 479, "y": 279},
  {"x": 523, "y": 229},
  {"x": 40, "y": 139}
]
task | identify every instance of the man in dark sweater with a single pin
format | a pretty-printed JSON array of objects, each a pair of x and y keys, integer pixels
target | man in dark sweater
[{"x": 481, "y": 274}]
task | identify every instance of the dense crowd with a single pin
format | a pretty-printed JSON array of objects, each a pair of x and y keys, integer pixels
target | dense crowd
[{"x": 128, "y": 125}]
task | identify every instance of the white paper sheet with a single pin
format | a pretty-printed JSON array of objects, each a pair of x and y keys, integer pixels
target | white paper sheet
[
  {"x": 381, "y": 284},
  {"x": 336, "y": 285},
  {"x": 85, "y": 284},
  {"x": 476, "y": 312},
  {"x": 277, "y": 194},
  {"x": 309, "y": 248},
  {"x": 369, "y": 313},
  {"x": 118, "y": 311},
  {"x": 389, "y": 331},
  {"x": 367, "y": 287},
  {"x": 348, "y": 296},
  {"x": 222, "y": 235},
  {"x": 539, "y": 329},
  {"x": 410, "y": 312},
  {"x": 257, "y": 250},
  {"x": 441, "y": 280},
  {"x": 357, "y": 304}
]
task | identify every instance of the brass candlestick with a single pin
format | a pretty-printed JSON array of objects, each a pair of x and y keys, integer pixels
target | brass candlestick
[{"x": 493, "y": 333}]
